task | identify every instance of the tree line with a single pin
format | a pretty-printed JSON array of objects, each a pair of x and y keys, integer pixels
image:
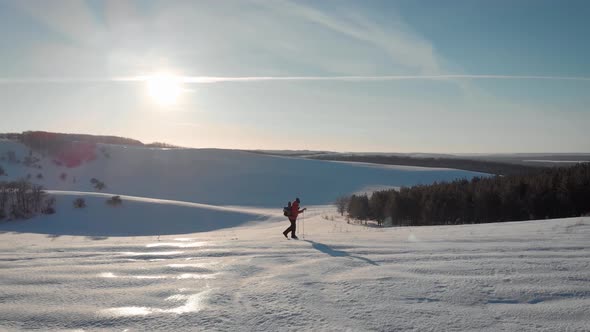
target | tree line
[
  {"x": 51, "y": 142},
  {"x": 545, "y": 193}
]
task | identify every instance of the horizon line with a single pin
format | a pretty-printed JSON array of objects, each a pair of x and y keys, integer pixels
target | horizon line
[
  {"x": 246, "y": 79},
  {"x": 338, "y": 151}
]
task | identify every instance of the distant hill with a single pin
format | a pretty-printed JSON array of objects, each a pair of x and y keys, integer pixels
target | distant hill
[
  {"x": 483, "y": 166},
  {"x": 537, "y": 159},
  {"x": 73, "y": 149},
  {"x": 39, "y": 138},
  {"x": 499, "y": 164},
  {"x": 289, "y": 153}
]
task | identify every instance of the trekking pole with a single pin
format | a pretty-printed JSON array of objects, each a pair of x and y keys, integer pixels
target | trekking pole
[{"x": 303, "y": 224}]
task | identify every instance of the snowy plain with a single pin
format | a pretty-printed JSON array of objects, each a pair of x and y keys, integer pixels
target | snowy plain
[
  {"x": 183, "y": 261},
  {"x": 525, "y": 276}
]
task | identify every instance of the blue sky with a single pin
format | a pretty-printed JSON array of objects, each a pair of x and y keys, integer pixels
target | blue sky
[{"x": 62, "y": 65}]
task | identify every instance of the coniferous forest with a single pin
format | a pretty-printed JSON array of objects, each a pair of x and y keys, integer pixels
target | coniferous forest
[{"x": 545, "y": 193}]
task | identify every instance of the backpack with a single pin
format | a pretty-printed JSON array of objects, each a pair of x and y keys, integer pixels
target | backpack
[{"x": 287, "y": 210}]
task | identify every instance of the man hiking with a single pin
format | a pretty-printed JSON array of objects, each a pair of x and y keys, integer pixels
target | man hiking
[{"x": 293, "y": 219}]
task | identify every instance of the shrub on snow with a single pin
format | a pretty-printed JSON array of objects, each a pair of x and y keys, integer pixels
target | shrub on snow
[
  {"x": 79, "y": 203},
  {"x": 114, "y": 201},
  {"x": 98, "y": 185}
]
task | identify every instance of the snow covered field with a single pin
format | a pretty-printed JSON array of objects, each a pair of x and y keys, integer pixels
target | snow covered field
[
  {"x": 197, "y": 246},
  {"x": 220, "y": 177},
  {"x": 514, "y": 276}
]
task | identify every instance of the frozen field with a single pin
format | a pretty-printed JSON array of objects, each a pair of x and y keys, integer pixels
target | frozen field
[{"x": 514, "y": 276}]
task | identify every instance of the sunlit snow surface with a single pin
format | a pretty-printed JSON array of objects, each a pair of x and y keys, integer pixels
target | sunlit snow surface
[
  {"x": 526, "y": 276},
  {"x": 197, "y": 246}
]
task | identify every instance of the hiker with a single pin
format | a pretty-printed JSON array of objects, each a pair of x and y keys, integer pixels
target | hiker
[{"x": 294, "y": 212}]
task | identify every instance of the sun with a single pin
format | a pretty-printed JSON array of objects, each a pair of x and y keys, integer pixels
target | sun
[{"x": 164, "y": 89}]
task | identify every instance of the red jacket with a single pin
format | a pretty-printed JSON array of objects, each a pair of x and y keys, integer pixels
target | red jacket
[{"x": 295, "y": 211}]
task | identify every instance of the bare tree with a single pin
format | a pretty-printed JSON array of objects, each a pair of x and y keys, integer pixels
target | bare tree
[
  {"x": 20, "y": 199},
  {"x": 342, "y": 204},
  {"x": 49, "y": 209}
]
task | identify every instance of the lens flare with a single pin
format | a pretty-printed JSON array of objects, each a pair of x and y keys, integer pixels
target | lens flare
[{"x": 164, "y": 89}]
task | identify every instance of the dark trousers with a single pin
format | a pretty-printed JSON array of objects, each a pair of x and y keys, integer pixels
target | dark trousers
[{"x": 291, "y": 228}]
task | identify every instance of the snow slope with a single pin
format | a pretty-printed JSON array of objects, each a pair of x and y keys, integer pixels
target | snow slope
[
  {"x": 106, "y": 268},
  {"x": 188, "y": 190},
  {"x": 221, "y": 177},
  {"x": 136, "y": 216},
  {"x": 525, "y": 276}
]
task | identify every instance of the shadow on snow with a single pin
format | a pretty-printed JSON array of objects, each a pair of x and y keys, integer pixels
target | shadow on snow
[
  {"x": 337, "y": 253},
  {"x": 98, "y": 221}
]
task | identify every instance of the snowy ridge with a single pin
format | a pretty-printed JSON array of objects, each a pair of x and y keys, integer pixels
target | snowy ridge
[
  {"x": 148, "y": 200},
  {"x": 137, "y": 216}
]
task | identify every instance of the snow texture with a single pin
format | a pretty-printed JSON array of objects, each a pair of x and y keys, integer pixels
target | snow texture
[
  {"x": 525, "y": 276},
  {"x": 196, "y": 245}
]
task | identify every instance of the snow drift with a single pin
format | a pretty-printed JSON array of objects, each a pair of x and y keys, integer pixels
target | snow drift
[{"x": 136, "y": 216}]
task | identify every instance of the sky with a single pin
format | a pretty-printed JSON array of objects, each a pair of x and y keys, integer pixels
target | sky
[{"x": 457, "y": 76}]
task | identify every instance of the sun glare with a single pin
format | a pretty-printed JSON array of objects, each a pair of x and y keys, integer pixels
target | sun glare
[{"x": 164, "y": 89}]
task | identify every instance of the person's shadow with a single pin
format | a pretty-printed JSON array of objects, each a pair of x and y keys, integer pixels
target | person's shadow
[{"x": 337, "y": 253}]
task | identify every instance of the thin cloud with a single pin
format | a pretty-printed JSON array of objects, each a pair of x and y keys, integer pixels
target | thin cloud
[
  {"x": 251, "y": 79},
  {"x": 209, "y": 79},
  {"x": 398, "y": 41}
]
